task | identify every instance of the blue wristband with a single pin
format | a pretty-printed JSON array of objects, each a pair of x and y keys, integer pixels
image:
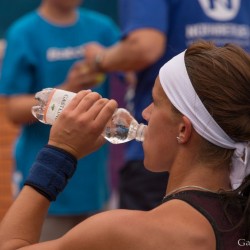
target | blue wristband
[{"x": 50, "y": 172}]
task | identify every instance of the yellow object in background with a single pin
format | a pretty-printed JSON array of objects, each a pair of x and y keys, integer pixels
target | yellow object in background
[{"x": 100, "y": 78}]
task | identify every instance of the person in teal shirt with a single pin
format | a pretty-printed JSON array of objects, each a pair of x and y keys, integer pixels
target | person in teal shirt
[{"x": 45, "y": 48}]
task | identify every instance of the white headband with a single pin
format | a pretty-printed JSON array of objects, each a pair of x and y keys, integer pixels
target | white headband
[{"x": 175, "y": 82}]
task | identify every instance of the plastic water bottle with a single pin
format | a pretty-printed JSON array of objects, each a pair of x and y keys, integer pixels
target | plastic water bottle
[{"x": 121, "y": 128}]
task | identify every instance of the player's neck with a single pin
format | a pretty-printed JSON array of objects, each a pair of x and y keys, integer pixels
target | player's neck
[
  {"x": 56, "y": 15},
  {"x": 201, "y": 175}
]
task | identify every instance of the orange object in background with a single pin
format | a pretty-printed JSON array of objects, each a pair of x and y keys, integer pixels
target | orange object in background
[{"x": 8, "y": 133}]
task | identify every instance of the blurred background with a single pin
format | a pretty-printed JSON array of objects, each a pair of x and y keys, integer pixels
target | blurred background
[{"x": 9, "y": 12}]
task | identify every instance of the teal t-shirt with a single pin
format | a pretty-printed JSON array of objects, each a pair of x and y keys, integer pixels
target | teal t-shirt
[{"x": 39, "y": 55}]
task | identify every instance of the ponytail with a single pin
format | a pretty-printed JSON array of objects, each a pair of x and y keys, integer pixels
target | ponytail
[{"x": 240, "y": 198}]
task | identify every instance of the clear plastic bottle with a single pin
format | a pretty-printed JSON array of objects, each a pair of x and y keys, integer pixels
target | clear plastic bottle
[{"x": 121, "y": 128}]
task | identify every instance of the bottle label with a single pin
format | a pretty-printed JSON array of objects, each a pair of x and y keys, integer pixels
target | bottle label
[{"x": 58, "y": 100}]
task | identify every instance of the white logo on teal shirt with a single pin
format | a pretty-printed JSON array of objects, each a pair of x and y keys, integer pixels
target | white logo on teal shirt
[{"x": 62, "y": 54}]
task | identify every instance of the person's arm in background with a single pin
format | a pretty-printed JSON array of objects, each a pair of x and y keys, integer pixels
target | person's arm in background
[
  {"x": 17, "y": 80},
  {"x": 18, "y": 108},
  {"x": 144, "y": 26},
  {"x": 138, "y": 50}
]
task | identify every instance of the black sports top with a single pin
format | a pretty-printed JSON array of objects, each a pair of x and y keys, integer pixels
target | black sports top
[{"x": 210, "y": 205}]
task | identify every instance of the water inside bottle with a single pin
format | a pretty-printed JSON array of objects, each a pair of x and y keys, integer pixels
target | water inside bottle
[
  {"x": 38, "y": 112},
  {"x": 120, "y": 133}
]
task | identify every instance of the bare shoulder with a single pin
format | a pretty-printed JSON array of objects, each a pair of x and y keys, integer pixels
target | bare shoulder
[
  {"x": 174, "y": 225},
  {"x": 115, "y": 229},
  {"x": 186, "y": 227}
]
